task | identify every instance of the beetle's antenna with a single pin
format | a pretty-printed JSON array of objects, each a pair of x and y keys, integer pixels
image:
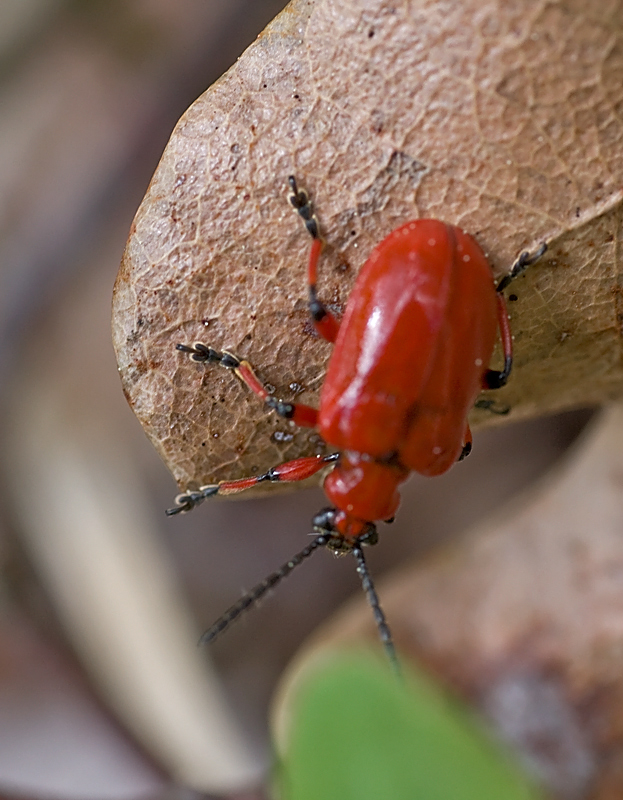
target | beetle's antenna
[
  {"x": 256, "y": 594},
  {"x": 375, "y": 605}
]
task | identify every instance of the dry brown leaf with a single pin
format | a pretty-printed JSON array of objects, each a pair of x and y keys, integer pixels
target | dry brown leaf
[
  {"x": 503, "y": 118},
  {"x": 525, "y": 618}
]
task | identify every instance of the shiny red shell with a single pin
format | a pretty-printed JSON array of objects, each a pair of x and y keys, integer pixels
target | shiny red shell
[{"x": 409, "y": 359}]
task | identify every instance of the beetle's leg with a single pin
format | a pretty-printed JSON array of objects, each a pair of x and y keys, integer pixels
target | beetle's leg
[
  {"x": 325, "y": 323},
  {"x": 467, "y": 444},
  {"x": 487, "y": 404},
  {"x": 290, "y": 471},
  {"x": 302, "y": 415},
  {"x": 492, "y": 378},
  {"x": 524, "y": 260}
]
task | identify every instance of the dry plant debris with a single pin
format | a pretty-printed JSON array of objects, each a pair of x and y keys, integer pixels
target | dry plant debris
[{"x": 503, "y": 118}]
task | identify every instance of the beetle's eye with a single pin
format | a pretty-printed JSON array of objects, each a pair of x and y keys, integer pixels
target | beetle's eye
[
  {"x": 369, "y": 537},
  {"x": 324, "y": 519}
]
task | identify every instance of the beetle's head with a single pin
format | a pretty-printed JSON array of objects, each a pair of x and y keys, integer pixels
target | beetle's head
[{"x": 343, "y": 531}]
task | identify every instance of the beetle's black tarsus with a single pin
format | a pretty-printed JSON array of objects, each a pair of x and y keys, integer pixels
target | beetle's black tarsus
[
  {"x": 203, "y": 354},
  {"x": 467, "y": 449},
  {"x": 299, "y": 199},
  {"x": 525, "y": 260},
  {"x": 188, "y": 500},
  {"x": 486, "y": 404}
]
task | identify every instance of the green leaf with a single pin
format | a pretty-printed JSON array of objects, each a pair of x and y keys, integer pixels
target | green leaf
[{"x": 356, "y": 733}]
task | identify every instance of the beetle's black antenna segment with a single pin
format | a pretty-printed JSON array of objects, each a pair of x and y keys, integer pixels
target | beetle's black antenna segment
[
  {"x": 256, "y": 594},
  {"x": 375, "y": 605}
]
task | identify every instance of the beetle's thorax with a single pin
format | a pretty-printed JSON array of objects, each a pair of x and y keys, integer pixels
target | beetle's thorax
[{"x": 364, "y": 489}]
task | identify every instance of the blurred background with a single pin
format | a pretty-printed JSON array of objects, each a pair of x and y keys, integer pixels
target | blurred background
[{"x": 103, "y": 693}]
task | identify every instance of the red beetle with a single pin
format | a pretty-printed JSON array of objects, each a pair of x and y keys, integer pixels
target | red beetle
[{"x": 411, "y": 355}]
